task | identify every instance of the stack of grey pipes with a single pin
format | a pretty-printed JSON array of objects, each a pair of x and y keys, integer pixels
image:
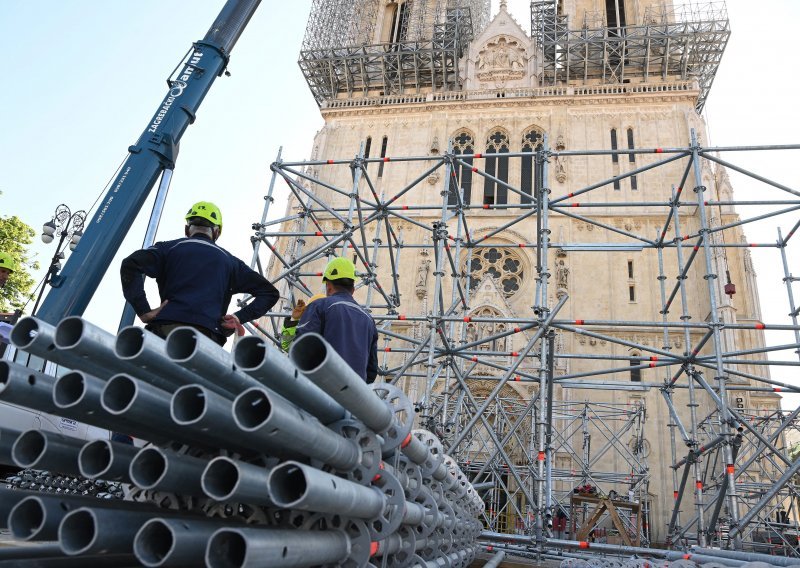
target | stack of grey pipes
[{"x": 253, "y": 458}]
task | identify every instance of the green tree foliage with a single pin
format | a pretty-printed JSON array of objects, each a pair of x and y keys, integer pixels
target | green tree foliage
[{"x": 14, "y": 236}]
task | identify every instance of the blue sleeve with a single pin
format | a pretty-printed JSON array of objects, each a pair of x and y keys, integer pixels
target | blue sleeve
[
  {"x": 248, "y": 281},
  {"x": 372, "y": 362},
  {"x": 145, "y": 262},
  {"x": 313, "y": 319}
]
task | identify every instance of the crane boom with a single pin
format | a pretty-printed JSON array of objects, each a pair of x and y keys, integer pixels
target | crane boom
[{"x": 155, "y": 150}]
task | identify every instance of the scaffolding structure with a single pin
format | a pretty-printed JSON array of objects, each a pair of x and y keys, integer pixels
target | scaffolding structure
[
  {"x": 762, "y": 456},
  {"x": 532, "y": 449},
  {"x": 341, "y": 54},
  {"x": 683, "y": 41}
]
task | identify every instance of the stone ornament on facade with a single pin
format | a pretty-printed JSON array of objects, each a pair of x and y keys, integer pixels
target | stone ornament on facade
[
  {"x": 501, "y": 59},
  {"x": 560, "y": 165},
  {"x": 423, "y": 268},
  {"x": 562, "y": 279},
  {"x": 435, "y": 176}
]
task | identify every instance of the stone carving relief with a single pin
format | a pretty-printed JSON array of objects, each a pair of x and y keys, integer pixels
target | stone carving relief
[
  {"x": 644, "y": 340},
  {"x": 501, "y": 59},
  {"x": 561, "y": 161},
  {"x": 562, "y": 275},
  {"x": 423, "y": 268},
  {"x": 487, "y": 332},
  {"x": 435, "y": 176}
]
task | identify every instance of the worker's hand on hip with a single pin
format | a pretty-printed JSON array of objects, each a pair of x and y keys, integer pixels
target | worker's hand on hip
[
  {"x": 232, "y": 323},
  {"x": 151, "y": 315},
  {"x": 298, "y": 310}
]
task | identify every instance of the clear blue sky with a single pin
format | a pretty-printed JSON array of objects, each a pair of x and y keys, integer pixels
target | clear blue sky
[{"x": 81, "y": 79}]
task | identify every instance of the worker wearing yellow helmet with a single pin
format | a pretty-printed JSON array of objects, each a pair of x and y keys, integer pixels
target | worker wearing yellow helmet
[
  {"x": 196, "y": 280},
  {"x": 7, "y": 320},
  {"x": 7, "y": 266},
  {"x": 204, "y": 214},
  {"x": 289, "y": 328},
  {"x": 343, "y": 323}
]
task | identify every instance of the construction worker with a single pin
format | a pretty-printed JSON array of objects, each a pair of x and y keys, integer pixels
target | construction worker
[
  {"x": 342, "y": 322},
  {"x": 7, "y": 266},
  {"x": 290, "y": 322},
  {"x": 196, "y": 280}
]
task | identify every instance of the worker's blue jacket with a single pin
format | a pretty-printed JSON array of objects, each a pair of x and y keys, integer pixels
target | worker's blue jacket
[
  {"x": 348, "y": 328},
  {"x": 198, "y": 278}
]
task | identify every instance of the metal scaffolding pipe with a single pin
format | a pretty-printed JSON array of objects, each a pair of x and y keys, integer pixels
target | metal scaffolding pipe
[
  {"x": 583, "y": 545},
  {"x": 721, "y": 554},
  {"x": 104, "y": 459},
  {"x": 293, "y": 485},
  {"x": 227, "y": 480},
  {"x": 495, "y": 560},
  {"x": 147, "y": 351},
  {"x": 201, "y": 411},
  {"x": 78, "y": 392},
  {"x": 101, "y": 531},
  {"x": 322, "y": 365},
  {"x": 8, "y": 500},
  {"x": 37, "y": 517},
  {"x": 25, "y": 387},
  {"x": 262, "y": 361},
  {"x": 174, "y": 542},
  {"x": 7, "y": 439},
  {"x": 46, "y": 450},
  {"x": 38, "y": 338},
  {"x": 705, "y": 559},
  {"x": 736, "y": 530},
  {"x": 281, "y": 548},
  {"x": 135, "y": 404},
  {"x": 50, "y": 555},
  {"x": 93, "y": 347},
  {"x": 201, "y": 355},
  {"x": 268, "y": 417},
  {"x": 162, "y": 470},
  {"x": 78, "y": 395}
]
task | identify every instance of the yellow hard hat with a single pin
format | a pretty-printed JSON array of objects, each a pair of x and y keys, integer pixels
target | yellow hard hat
[
  {"x": 339, "y": 268},
  {"x": 7, "y": 262},
  {"x": 206, "y": 210}
]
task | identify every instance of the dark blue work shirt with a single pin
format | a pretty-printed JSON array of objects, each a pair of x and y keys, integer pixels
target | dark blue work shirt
[
  {"x": 198, "y": 278},
  {"x": 348, "y": 328}
]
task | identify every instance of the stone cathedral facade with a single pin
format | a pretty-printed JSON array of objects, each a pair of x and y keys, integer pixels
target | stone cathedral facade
[{"x": 507, "y": 92}]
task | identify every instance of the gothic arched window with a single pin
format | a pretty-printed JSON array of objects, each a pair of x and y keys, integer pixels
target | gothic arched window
[
  {"x": 463, "y": 143},
  {"x": 493, "y": 192},
  {"x": 531, "y": 175}
]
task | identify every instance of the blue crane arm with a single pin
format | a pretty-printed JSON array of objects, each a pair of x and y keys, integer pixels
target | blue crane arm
[{"x": 155, "y": 150}]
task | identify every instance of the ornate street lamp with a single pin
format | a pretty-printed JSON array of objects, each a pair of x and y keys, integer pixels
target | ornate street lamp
[{"x": 67, "y": 226}]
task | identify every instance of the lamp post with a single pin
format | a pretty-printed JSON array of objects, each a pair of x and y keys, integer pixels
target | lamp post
[{"x": 67, "y": 226}]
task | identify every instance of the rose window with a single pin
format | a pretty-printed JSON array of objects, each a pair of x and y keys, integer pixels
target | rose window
[{"x": 501, "y": 264}]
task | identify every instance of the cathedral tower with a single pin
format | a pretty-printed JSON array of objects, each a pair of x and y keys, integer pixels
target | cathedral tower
[{"x": 545, "y": 271}]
